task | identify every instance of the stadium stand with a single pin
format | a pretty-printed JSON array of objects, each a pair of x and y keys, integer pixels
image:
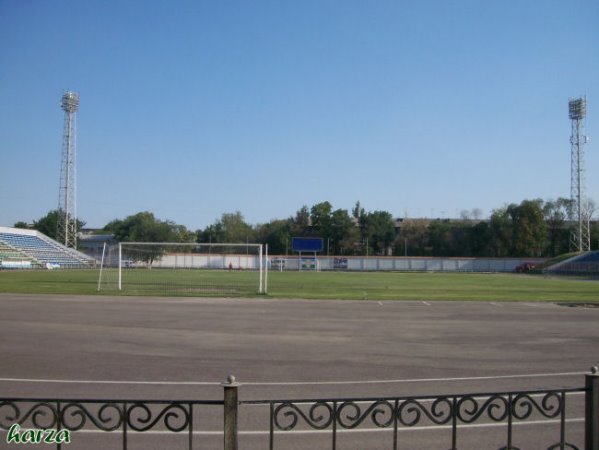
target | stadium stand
[
  {"x": 584, "y": 264},
  {"x": 11, "y": 258},
  {"x": 37, "y": 250}
]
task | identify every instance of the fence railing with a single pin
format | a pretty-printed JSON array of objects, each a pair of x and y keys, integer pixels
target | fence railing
[
  {"x": 331, "y": 416},
  {"x": 406, "y": 412},
  {"x": 124, "y": 416}
]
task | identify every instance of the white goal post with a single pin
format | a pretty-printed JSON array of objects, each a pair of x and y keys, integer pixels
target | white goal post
[{"x": 188, "y": 268}]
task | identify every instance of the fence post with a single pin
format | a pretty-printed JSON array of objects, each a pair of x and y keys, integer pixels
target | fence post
[
  {"x": 231, "y": 406},
  {"x": 591, "y": 417}
]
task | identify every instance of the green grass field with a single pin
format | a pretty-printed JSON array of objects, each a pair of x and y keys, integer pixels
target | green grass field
[{"x": 312, "y": 285}]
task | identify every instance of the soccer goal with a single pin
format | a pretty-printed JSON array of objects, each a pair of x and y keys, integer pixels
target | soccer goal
[
  {"x": 164, "y": 268},
  {"x": 280, "y": 264}
]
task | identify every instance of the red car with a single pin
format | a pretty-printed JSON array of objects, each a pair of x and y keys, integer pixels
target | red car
[{"x": 525, "y": 267}]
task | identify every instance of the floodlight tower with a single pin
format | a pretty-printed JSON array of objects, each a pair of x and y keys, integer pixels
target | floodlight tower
[
  {"x": 581, "y": 238},
  {"x": 67, "y": 192}
]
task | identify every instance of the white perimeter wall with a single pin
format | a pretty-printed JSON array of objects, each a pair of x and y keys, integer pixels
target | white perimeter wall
[
  {"x": 203, "y": 261},
  {"x": 355, "y": 263},
  {"x": 432, "y": 264}
]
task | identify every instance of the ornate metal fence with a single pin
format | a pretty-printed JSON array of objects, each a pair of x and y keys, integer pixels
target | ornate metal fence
[
  {"x": 331, "y": 416},
  {"x": 122, "y": 416},
  {"x": 451, "y": 411}
]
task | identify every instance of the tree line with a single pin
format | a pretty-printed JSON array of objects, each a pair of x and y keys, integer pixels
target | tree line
[{"x": 532, "y": 228}]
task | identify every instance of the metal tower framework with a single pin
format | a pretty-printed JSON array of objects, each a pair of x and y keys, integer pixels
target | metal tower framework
[
  {"x": 66, "y": 232},
  {"x": 581, "y": 238}
]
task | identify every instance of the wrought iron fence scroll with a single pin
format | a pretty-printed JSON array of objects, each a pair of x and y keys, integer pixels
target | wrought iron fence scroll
[{"x": 452, "y": 412}]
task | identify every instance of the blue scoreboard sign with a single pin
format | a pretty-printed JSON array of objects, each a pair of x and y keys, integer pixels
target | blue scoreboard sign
[{"x": 304, "y": 244}]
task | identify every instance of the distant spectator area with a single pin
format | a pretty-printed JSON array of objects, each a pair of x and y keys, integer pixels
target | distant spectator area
[
  {"x": 583, "y": 264},
  {"x": 30, "y": 249}
]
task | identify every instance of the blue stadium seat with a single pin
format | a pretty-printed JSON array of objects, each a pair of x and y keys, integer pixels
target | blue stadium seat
[
  {"x": 44, "y": 250},
  {"x": 584, "y": 264}
]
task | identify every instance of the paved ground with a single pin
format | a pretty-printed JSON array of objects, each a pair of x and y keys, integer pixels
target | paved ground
[{"x": 165, "y": 348}]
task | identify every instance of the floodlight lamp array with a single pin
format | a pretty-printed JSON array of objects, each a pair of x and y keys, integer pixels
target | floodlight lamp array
[
  {"x": 70, "y": 102},
  {"x": 577, "y": 108}
]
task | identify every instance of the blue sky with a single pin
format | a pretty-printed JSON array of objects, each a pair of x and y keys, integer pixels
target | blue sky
[{"x": 193, "y": 108}]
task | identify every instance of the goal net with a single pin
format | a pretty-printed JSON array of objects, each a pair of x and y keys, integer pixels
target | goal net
[
  {"x": 183, "y": 269},
  {"x": 297, "y": 264}
]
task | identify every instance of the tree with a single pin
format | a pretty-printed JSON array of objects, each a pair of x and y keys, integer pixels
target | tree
[
  {"x": 379, "y": 230},
  {"x": 477, "y": 213},
  {"x": 357, "y": 211},
  {"x": 558, "y": 235},
  {"x": 49, "y": 224},
  {"x": 594, "y": 230},
  {"x": 144, "y": 227},
  {"x": 301, "y": 222},
  {"x": 320, "y": 218},
  {"x": 529, "y": 229},
  {"x": 412, "y": 239},
  {"x": 344, "y": 233},
  {"x": 212, "y": 233},
  {"x": 480, "y": 240},
  {"x": 500, "y": 233},
  {"x": 277, "y": 234},
  {"x": 235, "y": 229},
  {"x": 184, "y": 235},
  {"x": 231, "y": 228},
  {"x": 518, "y": 230},
  {"x": 473, "y": 214},
  {"x": 441, "y": 238},
  {"x": 21, "y": 224}
]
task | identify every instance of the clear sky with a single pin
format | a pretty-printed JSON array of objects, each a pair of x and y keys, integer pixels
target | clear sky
[{"x": 194, "y": 108}]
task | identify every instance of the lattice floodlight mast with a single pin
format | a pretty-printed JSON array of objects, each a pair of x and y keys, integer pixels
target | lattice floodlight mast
[
  {"x": 67, "y": 193},
  {"x": 581, "y": 238}
]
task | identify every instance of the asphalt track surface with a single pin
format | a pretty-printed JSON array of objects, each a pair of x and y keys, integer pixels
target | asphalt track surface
[{"x": 183, "y": 348}]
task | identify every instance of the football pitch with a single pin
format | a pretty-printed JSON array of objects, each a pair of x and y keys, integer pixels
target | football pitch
[{"x": 310, "y": 285}]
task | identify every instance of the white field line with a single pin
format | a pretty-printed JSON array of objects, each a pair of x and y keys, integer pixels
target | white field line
[
  {"x": 340, "y": 430},
  {"x": 415, "y": 380},
  {"x": 292, "y": 383},
  {"x": 174, "y": 383}
]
